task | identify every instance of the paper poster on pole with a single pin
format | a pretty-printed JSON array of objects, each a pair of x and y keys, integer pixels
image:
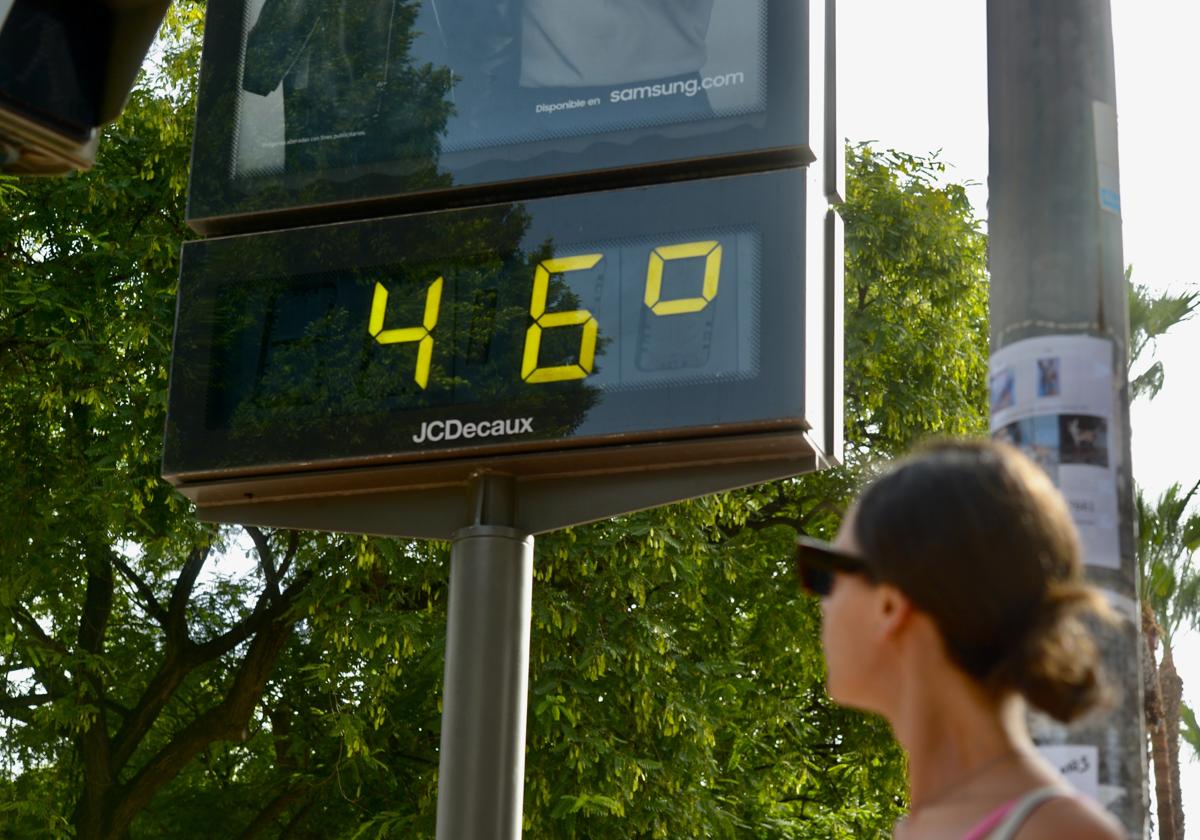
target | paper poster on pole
[
  {"x": 1079, "y": 764},
  {"x": 1053, "y": 398}
]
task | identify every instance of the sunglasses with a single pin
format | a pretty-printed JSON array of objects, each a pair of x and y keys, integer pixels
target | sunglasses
[{"x": 817, "y": 561}]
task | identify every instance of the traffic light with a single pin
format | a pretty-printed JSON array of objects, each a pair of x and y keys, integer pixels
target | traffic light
[{"x": 66, "y": 68}]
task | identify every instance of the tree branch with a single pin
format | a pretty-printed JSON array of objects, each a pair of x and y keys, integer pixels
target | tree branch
[
  {"x": 176, "y": 625},
  {"x": 290, "y": 554},
  {"x": 39, "y": 635},
  {"x": 149, "y": 601},
  {"x": 93, "y": 743},
  {"x": 113, "y": 705},
  {"x": 156, "y": 694},
  {"x": 262, "y": 614},
  {"x": 266, "y": 559},
  {"x": 274, "y": 809},
  {"x": 226, "y": 721},
  {"x": 297, "y": 819},
  {"x": 181, "y": 660},
  {"x": 19, "y": 707},
  {"x": 762, "y": 524},
  {"x": 53, "y": 679},
  {"x": 820, "y": 507}
]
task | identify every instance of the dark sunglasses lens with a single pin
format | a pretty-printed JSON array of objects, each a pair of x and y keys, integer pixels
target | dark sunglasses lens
[{"x": 815, "y": 580}]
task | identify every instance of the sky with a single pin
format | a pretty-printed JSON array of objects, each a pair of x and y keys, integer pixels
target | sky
[{"x": 913, "y": 76}]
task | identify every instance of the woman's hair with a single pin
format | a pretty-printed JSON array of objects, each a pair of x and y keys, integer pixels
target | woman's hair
[{"x": 977, "y": 536}]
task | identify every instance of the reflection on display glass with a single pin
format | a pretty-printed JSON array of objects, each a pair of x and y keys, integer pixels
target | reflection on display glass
[
  {"x": 472, "y": 328},
  {"x": 335, "y": 84}
]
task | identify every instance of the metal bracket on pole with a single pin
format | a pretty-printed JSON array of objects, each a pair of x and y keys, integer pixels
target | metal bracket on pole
[{"x": 481, "y": 771}]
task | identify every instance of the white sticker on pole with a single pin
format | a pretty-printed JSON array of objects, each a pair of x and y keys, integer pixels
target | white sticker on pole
[
  {"x": 1108, "y": 181},
  {"x": 1053, "y": 398},
  {"x": 1078, "y": 764}
]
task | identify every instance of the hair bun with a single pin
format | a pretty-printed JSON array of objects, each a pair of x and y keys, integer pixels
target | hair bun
[{"x": 1057, "y": 668}]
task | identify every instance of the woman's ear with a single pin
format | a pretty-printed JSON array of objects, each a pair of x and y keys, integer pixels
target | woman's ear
[{"x": 893, "y": 610}]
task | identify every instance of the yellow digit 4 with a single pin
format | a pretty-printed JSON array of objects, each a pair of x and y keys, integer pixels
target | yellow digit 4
[
  {"x": 711, "y": 251},
  {"x": 403, "y": 335},
  {"x": 543, "y": 320}
]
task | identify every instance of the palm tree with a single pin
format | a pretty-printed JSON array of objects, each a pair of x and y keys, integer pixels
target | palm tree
[
  {"x": 1151, "y": 317},
  {"x": 1168, "y": 535},
  {"x": 1169, "y": 582}
]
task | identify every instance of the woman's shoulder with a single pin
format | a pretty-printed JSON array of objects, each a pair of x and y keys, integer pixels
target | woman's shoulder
[{"x": 1069, "y": 816}]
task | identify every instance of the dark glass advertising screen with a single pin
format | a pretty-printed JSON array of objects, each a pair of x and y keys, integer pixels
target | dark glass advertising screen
[
  {"x": 670, "y": 311},
  {"x": 53, "y": 58},
  {"x": 323, "y": 104}
]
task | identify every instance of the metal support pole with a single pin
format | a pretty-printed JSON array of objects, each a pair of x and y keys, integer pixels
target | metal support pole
[
  {"x": 481, "y": 772},
  {"x": 1056, "y": 268}
]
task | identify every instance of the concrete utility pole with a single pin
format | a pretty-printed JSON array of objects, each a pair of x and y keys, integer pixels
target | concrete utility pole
[{"x": 1057, "y": 272}]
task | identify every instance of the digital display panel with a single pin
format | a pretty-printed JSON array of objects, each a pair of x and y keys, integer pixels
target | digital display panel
[
  {"x": 647, "y": 313},
  {"x": 307, "y": 104}
]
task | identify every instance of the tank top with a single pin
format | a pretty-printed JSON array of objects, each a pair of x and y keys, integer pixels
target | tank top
[{"x": 1006, "y": 820}]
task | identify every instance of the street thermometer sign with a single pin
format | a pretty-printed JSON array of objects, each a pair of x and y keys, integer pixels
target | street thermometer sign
[
  {"x": 651, "y": 313},
  {"x": 487, "y": 268},
  {"x": 463, "y": 238}
]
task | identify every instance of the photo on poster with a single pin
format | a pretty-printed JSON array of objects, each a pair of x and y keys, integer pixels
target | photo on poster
[
  {"x": 1083, "y": 439},
  {"x": 327, "y": 86},
  {"x": 1048, "y": 377},
  {"x": 1038, "y": 438},
  {"x": 1002, "y": 388}
]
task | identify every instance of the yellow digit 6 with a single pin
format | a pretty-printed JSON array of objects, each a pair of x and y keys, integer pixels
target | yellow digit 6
[
  {"x": 404, "y": 335},
  {"x": 711, "y": 251},
  {"x": 543, "y": 320}
]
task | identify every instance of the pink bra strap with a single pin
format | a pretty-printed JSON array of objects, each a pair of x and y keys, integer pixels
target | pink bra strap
[
  {"x": 1021, "y": 811},
  {"x": 984, "y": 827},
  {"x": 1006, "y": 819}
]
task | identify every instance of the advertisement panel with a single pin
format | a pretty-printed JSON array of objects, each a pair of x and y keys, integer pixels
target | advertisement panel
[{"x": 325, "y": 105}]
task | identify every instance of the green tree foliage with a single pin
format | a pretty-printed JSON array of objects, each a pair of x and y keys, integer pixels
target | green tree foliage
[
  {"x": 1190, "y": 730},
  {"x": 1168, "y": 536},
  {"x": 916, "y": 305},
  {"x": 1150, "y": 318},
  {"x": 156, "y": 687},
  {"x": 1169, "y": 582}
]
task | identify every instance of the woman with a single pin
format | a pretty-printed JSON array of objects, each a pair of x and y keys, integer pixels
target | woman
[{"x": 950, "y": 598}]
